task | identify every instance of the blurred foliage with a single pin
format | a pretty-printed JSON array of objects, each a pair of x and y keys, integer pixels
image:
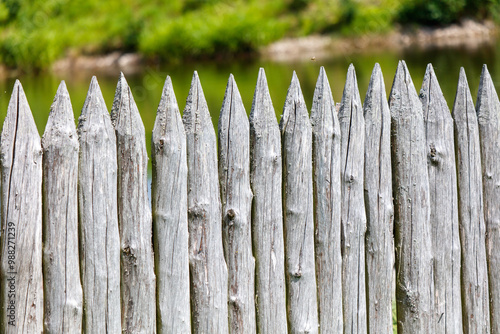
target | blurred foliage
[{"x": 35, "y": 33}]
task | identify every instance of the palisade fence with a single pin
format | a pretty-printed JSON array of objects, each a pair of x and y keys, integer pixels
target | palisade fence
[{"x": 265, "y": 228}]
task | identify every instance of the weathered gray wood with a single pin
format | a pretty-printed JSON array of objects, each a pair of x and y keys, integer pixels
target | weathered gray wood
[
  {"x": 327, "y": 195},
  {"x": 208, "y": 271},
  {"x": 474, "y": 271},
  {"x": 21, "y": 294},
  {"x": 170, "y": 223},
  {"x": 236, "y": 198},
  {"x": 353, "y": 216},
  {"x": 296, "y": 138},
  {"x": 443, "y": 204},
  {"x": 414, "y": 281},
  {"x": 61, "y": 271},
  {"x": 488, "y": 115},
  {"x": 138, "y": 283},
  {"x": 98, "y": 220},
  {"x": 267, "y": 215},
  {"x": 379, "y": 250}
]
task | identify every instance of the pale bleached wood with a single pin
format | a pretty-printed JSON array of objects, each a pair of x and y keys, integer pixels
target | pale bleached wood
[
  {"x": 138, "y": 283},
  {"x": 61, "y": 271},
  {"x": 267, "y": 215},
  {"x": 208, "y": 271},
  {"x": 488, "y": 116},
  {"x": 444, "y": 206},
  {"x": 474, "y": 270},
  {"x": 296, "y": 138},
  {"x": 98, "y": 219},
  {"x": 170, "y": 224},
  {"x": 379, "y": 207},
  {"x": 414, "y": 263},
  {"x": 353, "y": 216},
  {"x": 21, "y": 294},
  {"x": 327, "y": 195},
  {"x": 236, "y": 198}
]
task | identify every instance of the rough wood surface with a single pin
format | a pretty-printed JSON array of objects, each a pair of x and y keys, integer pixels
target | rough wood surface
[
  {"x": 414, "y": 263},
  {"x": 444, "y": 206},
  {"x": 236, "y": 198},
  {"x": 61, "y": 271},
  {"x": 138, "y": 283},
  {"x": 379, "y": 250},
  {"x": 327, "y": 195},
  {"x": 267, "y": 215},
  {"x": 353, "y": 215},
  {"x": 21, "y": 294},
  {"x": 488, "y": 115},
  {"x": 98, "y": 219},
  {"x": 298, "y": 223},
  {"x": 474, "y": 271},
  {"x": 170, "y": 223},
  {"x": 208, "y": 271}
]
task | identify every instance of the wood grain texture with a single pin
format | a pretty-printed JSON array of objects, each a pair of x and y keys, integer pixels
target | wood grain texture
[
  {"x": 138, "y": 283},
  {"x": 353, "y": 215},
  {"x": 236, "y": 198},
  {"x": 267, "y": 215},
  {"x": 414, "y": 262},
  {"x": 208, "y": 271},
  {"x": 21, "y": 283},
  {"x": 98, "y": 219},
  {"x": 379, "y": 207},
  {"x": 170, "y": 223},
  {"x": 488, "y": 116},
  {"x": 63, "y": 304},
  {"x": 444, "y": 205},
  {"x": 327, "y": 204},
  {"x": 296, "y": 138},
  {"x": 474, "y": 270}
]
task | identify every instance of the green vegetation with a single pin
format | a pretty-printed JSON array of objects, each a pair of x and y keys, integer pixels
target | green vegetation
[{"x": 34, "y": 33}]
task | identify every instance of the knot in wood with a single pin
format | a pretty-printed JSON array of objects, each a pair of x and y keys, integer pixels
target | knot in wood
[{"x": 231, "y": 214}]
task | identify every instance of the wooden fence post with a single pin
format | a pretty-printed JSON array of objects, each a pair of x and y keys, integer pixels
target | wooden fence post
[
  {"x": 208, "y": 269},
  {"x": 99, "y": 236},
  {"x": 353, "y": 218},
  {"x": 327, "y": 196},
  {"x": 296, "y": 138},
  {"x": 267, "y": 215},
  {"x": 443, "y": 204},
  {"x": 170, "y": 223},
  {"x": 138, "y": 283},
  {"x": 21, "y": 282},
  {"x": 488, "y": 116},
  {"x": 474, "y": 271},
  {"x": 236, "y": 198},
  {"x": 414, "y": 281},
  {"x": 379, "y": 208},
  {"x": 61, "y": 271}
]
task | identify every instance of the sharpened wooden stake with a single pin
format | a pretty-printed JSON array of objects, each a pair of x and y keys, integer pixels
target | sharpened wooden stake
[
  {"x": 138, "y": 283},
  {"x": 21, "y": 283},
  {"x": 353, "y": 219},
  {"x": 488, "y": 116},
  {"x": 444, "y": 206},
  {"x": 327, "y": 195},
  {"x": 414, "y": 262},
  {"x": 267, "y": 216},
  {"x": 236, "y": 197},
  {"x": 98, "y": 219},
  {"x": 170, "y": 223},
  {"x": 379, "y": 249},
  {"x": 208, "y": 271},
  {"x": 61, "y": 271},
  {"x": 474, "y": 271},
  {"x": 296, "y": 138}
]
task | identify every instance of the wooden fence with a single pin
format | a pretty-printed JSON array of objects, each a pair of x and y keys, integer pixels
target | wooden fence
[{"x": 265, "y": 228}]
